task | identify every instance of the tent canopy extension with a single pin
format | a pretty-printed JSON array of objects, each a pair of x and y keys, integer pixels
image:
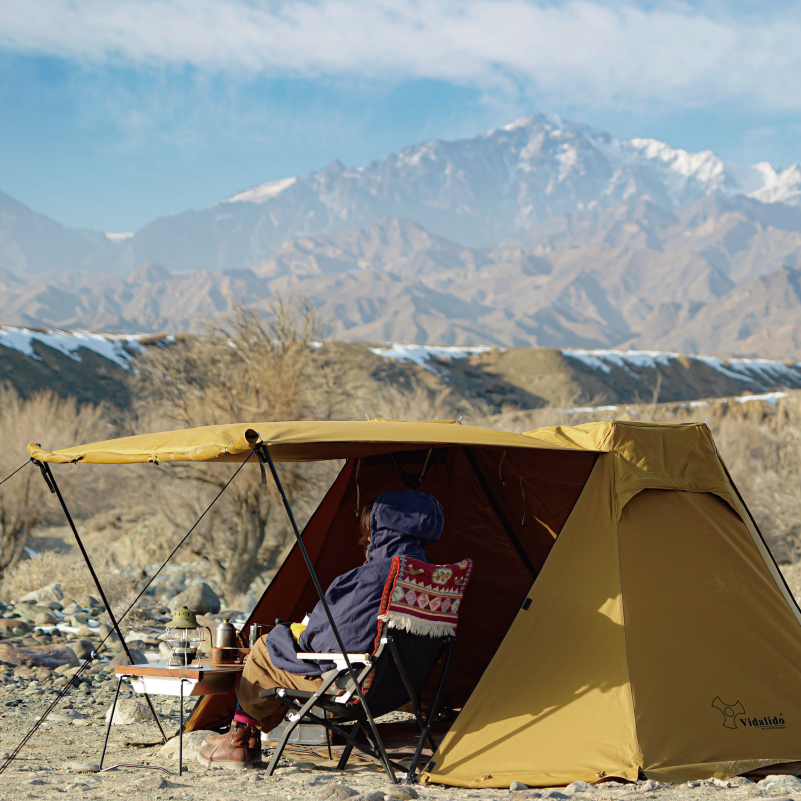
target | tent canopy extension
[{"x": 624, "y": 617}]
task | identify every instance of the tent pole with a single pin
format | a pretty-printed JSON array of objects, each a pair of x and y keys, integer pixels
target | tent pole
[
  {"x": 264, "y": 454},
  {"x": 50, "y": 480},
  {"x": 504, "y": 520}
]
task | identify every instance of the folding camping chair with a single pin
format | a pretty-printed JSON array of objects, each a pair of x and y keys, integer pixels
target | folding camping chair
[{"x": 416, "y": 623}]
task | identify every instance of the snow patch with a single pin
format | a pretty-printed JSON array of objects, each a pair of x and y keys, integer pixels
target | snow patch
[
  {"x": 422, "y": 354},
  {"x": 759, "y": 373},
  {"x": 117, "y": 348},
  {"x": 772, "y": 398},
  {"x": 263, "y": 192},
  {"x": 119, "y": 237},
  {"x": 604, "y": 360}
]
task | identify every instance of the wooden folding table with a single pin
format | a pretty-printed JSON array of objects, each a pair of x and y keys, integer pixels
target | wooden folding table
[{"x": 198, "y": 678}]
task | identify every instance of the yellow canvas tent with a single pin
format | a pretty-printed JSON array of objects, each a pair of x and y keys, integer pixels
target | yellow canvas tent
[{"x": 659, "y": 637}]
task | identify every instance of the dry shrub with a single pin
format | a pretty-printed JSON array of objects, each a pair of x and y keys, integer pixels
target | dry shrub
[
  {"x": 25, "y": 500},
  {"x": 417, "y": 402},
  {"x": 72, "y": 575},
  {"x": 252, "y": 370}
]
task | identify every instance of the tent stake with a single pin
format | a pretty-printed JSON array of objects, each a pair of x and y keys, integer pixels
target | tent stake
[
  {"x": 50, "y": 480},
  {"x": 507, "y": 526},
  {"x": 264, "y": 454}
]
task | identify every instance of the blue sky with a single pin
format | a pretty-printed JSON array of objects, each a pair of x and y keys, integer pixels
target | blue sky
[{"x": 113, "y": 112}]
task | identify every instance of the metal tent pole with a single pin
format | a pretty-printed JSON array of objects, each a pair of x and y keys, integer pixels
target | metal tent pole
[
  {"x": 264, "y": 455},
  {"x": 50, "y": 480}
]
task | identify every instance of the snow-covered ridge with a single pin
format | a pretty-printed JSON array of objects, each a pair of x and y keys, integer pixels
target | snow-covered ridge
[
  {"x": 117, "y": 348},
  {"x": 422, "y": 354},
  {"x": 758, "y": 373}
]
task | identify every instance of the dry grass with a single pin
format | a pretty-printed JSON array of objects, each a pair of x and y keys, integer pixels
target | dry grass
[
  {"x": 71, "y": 574},
  {"x": 24, "y": 499}
]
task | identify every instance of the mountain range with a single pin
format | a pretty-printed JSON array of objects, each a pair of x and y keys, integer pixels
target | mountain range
[{"x": 543, "y": 232}]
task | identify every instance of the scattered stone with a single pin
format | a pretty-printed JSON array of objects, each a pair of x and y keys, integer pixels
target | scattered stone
[
  {"x": 648, "y": 786},
  {"x": 192, "y": 742},
  {"x": 65, "y": 716},
  {"x": 778, "y": 783},
  {"x": 83, "y": 648},
  {"x": 30, "y": 611},
  {"x": 121, "y": 658},
  {"x": 555, "y": 794},
  {"x": 51, "y": 592},
  {"x": 128, "y": 711},
  {"x": 49, "y": 656},
  {"x": 10, "y": 623},
  {"x": 88, "y": 601},
  {"x": 46, "y": 619},
  {"x": 78, "y": 766},
  {"x": 374, "y": 795},
  {"x": 72, "y": 609},
  {"x": 199, "y": 597},
  {"x": 333, "y": 792},
  {"x": 150, "y": 783},
  {"x": 515, "y": 786},
  {"x": 36, "y": 781},
  {"x": 104, "y": 630},
  {"x": 579, "y": 787},
  {"x": 401, "y": 791}
]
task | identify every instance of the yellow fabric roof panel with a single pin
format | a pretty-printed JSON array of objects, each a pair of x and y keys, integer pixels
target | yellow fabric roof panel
[{"x": 303, "y": 441}]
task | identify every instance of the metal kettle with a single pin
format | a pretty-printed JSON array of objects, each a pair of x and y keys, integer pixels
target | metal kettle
[{"x": 225, "y": 635}]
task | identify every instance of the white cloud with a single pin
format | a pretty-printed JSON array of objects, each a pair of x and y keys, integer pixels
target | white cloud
[{"x": 579, "y": 51}]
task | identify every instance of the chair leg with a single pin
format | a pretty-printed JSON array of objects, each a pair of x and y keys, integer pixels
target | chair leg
[
  {"x": 281, "y": 745},
  {"x": 301, "y": 713},
  {"x": 426, "y": 732},
  {"x": 343, "y": 760},
  {"x": 378, "y": 746}
]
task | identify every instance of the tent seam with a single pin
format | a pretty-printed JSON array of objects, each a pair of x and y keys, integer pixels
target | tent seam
[{"x": 640, "y": 757}]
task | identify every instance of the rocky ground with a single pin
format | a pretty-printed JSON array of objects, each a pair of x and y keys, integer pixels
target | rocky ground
[{"x": 44, "y": 639}]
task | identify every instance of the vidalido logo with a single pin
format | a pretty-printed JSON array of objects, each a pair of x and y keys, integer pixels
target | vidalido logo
[
  {"x": 730, "y": 712},
  {"x": 735, "y": 713}
]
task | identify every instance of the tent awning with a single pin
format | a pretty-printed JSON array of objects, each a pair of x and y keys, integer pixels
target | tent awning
[{"x": 304, "y": 441}]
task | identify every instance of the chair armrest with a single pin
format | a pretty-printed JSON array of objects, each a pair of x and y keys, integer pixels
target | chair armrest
[{"x": 357, "y": 658}]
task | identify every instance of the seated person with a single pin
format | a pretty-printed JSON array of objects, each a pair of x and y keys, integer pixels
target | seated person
[{"x": 398, "y": 523}]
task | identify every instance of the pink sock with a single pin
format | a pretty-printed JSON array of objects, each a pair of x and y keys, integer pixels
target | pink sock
[{"x": 241, "y": 717}]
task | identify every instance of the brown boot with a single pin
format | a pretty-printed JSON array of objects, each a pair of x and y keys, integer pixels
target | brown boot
[{"x": 228, "y": 750}]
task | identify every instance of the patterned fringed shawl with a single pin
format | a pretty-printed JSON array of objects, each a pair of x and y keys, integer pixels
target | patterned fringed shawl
[{"x": 422, "y": 598}]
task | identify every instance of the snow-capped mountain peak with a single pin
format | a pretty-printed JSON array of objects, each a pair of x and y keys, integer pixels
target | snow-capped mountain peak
[
  {"x": 778, "y": 185},
  {"x": 263, "y": 192}
]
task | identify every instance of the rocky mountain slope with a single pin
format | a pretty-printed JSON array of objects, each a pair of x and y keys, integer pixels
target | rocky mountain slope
[
  {"x": 94, "y": 367},
  {"x": 719, "y": 276},
  {"x": 474, "y": 191},
  {"x": 541, "y": 233},
  {"x": 33, "y": 243}
]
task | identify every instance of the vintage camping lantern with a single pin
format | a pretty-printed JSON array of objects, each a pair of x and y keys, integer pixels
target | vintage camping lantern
[{"x": 184, "y": 637}]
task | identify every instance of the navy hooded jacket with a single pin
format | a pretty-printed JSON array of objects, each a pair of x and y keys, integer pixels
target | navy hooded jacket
[{"x": 401, "y": 523}]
